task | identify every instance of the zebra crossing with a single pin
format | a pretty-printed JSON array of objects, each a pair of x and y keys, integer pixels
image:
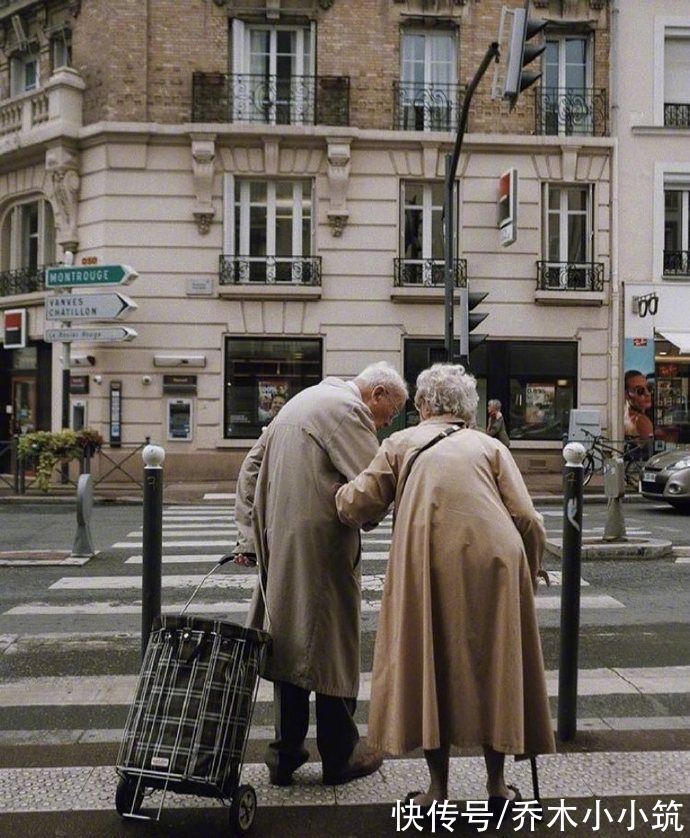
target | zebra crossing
[{"x": 194, "y": 539}]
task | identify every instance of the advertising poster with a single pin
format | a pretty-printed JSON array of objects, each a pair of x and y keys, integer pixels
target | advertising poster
[
  {"x": 638, "y": 389},
  {"x": 539, "y": 404},
  {"x": 273, "y": 393}
]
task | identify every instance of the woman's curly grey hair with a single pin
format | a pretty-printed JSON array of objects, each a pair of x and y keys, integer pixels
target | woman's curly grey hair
[{"x": 448, "y": 389}]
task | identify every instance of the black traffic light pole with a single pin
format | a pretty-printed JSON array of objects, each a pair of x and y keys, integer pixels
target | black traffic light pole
[{"x": 492, "y": 54}]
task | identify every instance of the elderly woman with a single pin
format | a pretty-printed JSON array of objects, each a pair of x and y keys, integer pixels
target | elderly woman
[
  {"x": 496, "y": 426},
  {"x": 457, "y": 659}
]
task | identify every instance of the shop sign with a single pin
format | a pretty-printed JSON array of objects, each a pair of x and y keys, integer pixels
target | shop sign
[
  {"x": 179, "y": 383},
  {"x": 79, "y": 384},
  {"x": 14, "y": 328}
]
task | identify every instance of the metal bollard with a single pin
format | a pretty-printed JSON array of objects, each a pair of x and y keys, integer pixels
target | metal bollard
[
  {"x": 152, "y": 540},
  {"x": 614, "y": 488},
  {"x": 573, "y": 453},
  {"x": 83, "y": 542}
]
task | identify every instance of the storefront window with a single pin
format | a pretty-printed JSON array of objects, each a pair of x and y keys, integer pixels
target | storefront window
[
  {"x": 535, "y": 383},
  {"x": 261, "y": 375}
]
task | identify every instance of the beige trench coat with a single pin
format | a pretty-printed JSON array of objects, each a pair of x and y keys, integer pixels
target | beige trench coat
[
  {"x": 457, "y": 658},
  {"x": 286, "y": 515}
]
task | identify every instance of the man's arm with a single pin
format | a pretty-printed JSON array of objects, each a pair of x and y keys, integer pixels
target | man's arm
[{"x": 244, "y": 500}]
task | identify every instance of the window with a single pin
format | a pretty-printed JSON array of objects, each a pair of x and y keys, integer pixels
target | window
[
  {"x": 428, "y": 96},
  {"x": 27, "y": 236},
  {"x": 261, "y": 374},
  {"x": 421, "y": 232},
  {"x": 534, "y": 381},
  {"x": 273, "y": 74},
  {"x": 676, "y": 231},
  {"x": 271, "y": 230},
  {"x": 568, "y": 237},
  {"x": 677, "y": 78},
  {"x": 566, "y": 94},
  {"x": 24, "y": 74},
  {"x": 61, "y": 48}
]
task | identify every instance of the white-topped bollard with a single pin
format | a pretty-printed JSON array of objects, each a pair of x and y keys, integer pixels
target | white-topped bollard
[
  {"x": 574, "y": 454},
  {"x": 152, "y": 540}
]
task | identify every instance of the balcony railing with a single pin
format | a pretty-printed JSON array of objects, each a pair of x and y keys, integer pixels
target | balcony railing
[
  {"x": 59, "y": 102},
  {"x": 570, "y": 276},
  {"x": 677, "y": 263},
  {"x": 432, "y": 107},
  {"x": 428, "y": 272},
  {"x": 571, "y": 111},
  {"x": 21, "y": 281},
  {"x": 271, "y": 100},
  {"x": 676, "y": 115},
  {"x": 270, "y": 270}
]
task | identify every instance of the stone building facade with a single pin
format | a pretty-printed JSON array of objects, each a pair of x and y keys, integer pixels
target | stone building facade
[{"x": 273, "y": 171}]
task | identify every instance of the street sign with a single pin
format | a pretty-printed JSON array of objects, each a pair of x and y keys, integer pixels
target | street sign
[
  {"x": 88, "y": 306},
  {"x": 70, "y": 276},
  {"x": 99, "y": 334}
]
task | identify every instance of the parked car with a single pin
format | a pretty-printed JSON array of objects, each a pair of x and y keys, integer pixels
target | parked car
[{"x": 666, "y": 477}]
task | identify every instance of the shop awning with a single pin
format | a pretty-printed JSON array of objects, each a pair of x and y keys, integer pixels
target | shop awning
[{"x": 679, "y": 339}]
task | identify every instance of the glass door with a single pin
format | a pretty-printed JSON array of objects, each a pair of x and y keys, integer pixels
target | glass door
[
  {"x": 23, "y": 404},
  {"x": 278, "y": 61},
  {"x": 429, "y": 82},
  {"x": 566, "y": 105}
]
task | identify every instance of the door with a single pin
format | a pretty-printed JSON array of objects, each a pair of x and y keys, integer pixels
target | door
[
  {"x": 566, "y": 103},
  {"x": 23, "y": 404},
  {"x": 429, "y": 81},
  {"x": 279, "y": 61}
]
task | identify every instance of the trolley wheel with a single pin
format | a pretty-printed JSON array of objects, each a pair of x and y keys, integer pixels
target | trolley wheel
[
  {"x": 242, "y": 810},
  {"x": 127, "y": 800}
]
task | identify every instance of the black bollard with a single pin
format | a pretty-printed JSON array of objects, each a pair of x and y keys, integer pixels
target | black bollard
[
  {"x": 152, "y": 541},
  {"x": 573, "y": 453}
]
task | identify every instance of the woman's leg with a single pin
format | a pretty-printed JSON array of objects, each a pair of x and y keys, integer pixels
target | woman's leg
[
  {"x": 495, "y": 781},
  {"x": 437, "y": 762}
]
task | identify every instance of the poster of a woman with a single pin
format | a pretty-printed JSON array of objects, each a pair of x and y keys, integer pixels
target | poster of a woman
[{"x": 638, "y": 415}]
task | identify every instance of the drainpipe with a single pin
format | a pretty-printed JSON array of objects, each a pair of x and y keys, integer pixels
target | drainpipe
[{"x": 616, "y": 312}]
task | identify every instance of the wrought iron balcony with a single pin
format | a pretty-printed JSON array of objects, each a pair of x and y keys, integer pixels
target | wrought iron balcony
[
  {"x": 571, "y": 111},
  {"x": 432, "y": 107},
  {"x": 271, "y": 100},
  {"x": 570, "y": 276},
  {"x": 428, "y": 272},
  {"x": 676, "y": 115},
  {"x": 677, "y": 263},
  {"x": 21, "y": 281},
  {"x": 270, "y": 270}
]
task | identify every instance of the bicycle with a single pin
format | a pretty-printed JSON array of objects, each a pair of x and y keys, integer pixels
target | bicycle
[{"x": 634, "y": 455}]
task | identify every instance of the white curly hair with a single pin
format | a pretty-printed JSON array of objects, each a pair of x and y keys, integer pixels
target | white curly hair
[{"x": 448, "y": 389}]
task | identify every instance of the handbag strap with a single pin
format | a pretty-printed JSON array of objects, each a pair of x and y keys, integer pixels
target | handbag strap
[{"x": 451, "y": 429}]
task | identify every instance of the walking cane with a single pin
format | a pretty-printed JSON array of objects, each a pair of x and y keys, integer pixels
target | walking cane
[{"x": 535, "y": 778}]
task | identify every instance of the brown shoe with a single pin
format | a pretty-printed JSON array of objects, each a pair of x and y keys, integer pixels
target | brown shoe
[{"x": 362, "y": 762}]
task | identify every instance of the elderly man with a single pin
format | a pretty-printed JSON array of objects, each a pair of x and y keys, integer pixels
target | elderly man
[{"x": 309, "y": 563}]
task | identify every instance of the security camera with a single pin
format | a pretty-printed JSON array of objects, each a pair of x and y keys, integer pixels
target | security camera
[
  {"x": 145, "y": 379},
  {"x": 98, "y": 378}
]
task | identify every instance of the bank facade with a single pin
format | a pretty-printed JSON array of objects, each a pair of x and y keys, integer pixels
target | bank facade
[{"x": 273, "y": 172}]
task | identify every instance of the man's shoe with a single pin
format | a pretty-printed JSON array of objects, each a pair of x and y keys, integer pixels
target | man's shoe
[
  {"x": 281, "y": 775},
  {"x": 362, "y": 762}
]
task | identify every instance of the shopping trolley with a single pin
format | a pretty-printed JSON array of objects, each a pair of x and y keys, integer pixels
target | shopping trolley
[{"x": 188, "y": 726}]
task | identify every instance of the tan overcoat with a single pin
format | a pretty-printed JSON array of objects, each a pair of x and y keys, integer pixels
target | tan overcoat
[
  {"x": 457, "y": 658},
  {"x": 286, "y": 515}
]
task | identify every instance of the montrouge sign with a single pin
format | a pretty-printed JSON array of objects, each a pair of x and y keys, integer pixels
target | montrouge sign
[{"x": 68, "y": 276}]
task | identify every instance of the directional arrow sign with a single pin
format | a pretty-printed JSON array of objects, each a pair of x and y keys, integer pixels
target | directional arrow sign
[
  {"x": 100, "y": 334},
  {"x": 88, "y": 306},
  {"x": 70, "y": 276}
]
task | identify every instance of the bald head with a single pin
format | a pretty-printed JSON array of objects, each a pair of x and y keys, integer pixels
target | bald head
[{"x": 383, "y": 390}]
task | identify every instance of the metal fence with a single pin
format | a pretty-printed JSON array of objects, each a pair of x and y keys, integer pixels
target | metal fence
[{"x": 105, "y": 463}]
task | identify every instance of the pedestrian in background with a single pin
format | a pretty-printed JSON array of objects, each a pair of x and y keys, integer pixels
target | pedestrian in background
[
  {"x": 457, "y": 660},
  {"x": 310, "y": 563},
  {"x": 496, "y": 426}
]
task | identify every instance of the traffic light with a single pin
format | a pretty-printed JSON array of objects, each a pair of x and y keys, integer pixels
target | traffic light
[
  {"x": 521, "y": 53},
  {"x": 474, "y": 318}
]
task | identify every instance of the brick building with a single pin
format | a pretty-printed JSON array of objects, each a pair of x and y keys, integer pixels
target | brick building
[{"x": 273, "y": 170}]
